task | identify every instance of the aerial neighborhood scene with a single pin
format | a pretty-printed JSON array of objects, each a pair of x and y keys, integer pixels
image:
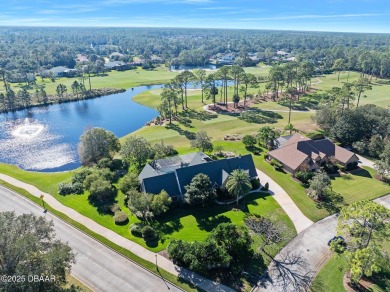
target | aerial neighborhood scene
[{"x": 195, "y": 145}]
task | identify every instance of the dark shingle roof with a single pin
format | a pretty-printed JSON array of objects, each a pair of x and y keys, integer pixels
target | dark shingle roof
[
  {"x": 214, "y": 169},
  {"x": 217, "y": 170},
  {"x": 167, "y": 182}
]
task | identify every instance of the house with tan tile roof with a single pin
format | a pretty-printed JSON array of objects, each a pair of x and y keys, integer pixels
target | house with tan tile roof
[{"x": 298, "y": 152}]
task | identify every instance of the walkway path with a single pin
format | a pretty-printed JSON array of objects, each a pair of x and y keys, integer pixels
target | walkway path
[
  {"x": 312, "y": 245},
  {"x": 301, "y": 222},
  {"x": 135, "y": 248}
]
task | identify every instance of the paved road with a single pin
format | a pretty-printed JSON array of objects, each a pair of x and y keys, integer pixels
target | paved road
[
  {"x": 97, "y": 266},
  {"x": 312, "y": 245}
]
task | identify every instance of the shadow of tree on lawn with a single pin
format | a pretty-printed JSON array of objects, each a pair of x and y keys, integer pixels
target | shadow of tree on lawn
[{"x": 189, "y": 135}]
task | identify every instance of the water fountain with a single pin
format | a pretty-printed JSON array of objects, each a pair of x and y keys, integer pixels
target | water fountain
[{"x": 28, "y": 130}]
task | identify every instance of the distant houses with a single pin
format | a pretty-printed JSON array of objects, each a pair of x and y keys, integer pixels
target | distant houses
[
  {"x": 118, "y": 66},
  {"x": 172, "y": 174},
  {"x": 59, "y": 71},
  {"x": 227, "y": 59},
  {"x": 297, "y": 153}
]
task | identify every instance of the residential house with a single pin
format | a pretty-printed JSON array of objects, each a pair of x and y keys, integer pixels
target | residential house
[
  {"x": 298, "y": 152},
  {"x": 227, "y": 59},
  {"x": 59, "y": 71},
  {"x": 172, "y": 174},
  {"x": 118, "y": 65}
]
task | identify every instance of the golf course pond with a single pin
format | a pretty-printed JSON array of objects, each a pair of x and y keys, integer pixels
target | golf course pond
[{"x": 45, "y": 138}]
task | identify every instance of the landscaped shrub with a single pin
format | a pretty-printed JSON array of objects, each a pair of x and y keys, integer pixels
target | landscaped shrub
[
  {"x": 120, "y": 218},
  {"x": 80, "y": 176},
  {"x": 351, "y": 165},
  {"x": 249, "y": 140},
  {"x": 347, "y": 177},
  {"x": 266, "y": 186},
  {"x": 129, "y": 182},
  {"x": 113, "y": 164},
  {"x": 223, "y": 194},
  {"x": 148, "y": 233},
  {"x": 114, "y": 208},
  {"x": 304, "y": 176},
  {"x": 276, "y": 164},
  {"x": 330, "y": 168},
  {"x": 65, "y": 189},
  {"x": 315, "y": 135},
  {"x": 255, "y": 183},
  {"x": 136, "y": 229}
]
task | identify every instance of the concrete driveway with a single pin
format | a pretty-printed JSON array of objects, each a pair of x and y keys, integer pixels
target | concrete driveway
[
  {"x": 300, "y": 221},
  {"x": 97, "y": 266}
]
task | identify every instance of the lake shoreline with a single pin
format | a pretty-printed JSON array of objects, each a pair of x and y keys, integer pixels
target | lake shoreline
[{"x": 95, "y": 93}]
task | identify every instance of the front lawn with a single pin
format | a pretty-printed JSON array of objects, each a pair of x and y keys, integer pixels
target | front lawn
[
  {"x": 362, "y": 186},
  {"x": 330, "y": 277},
  {"x": 186, "y": 224}
]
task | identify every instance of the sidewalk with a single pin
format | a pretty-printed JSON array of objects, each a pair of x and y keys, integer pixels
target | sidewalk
[
  {"x": 135, "y": 248},
  {"x": 301, "y": 222}
]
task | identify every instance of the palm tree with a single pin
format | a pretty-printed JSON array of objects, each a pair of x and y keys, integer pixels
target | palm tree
[
  {"x": 290, "y": 128},
  {"x": 238, "y": 183},
  {"x": 267, "y": 135}
]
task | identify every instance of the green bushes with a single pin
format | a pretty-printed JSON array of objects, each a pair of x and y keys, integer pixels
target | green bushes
[
  {"x": 249, "y": 140},
  {"x": 128, "y": 182},
  {"x": 70, "y": 188},
  {"x": 227, "y": 244},
  {"x": 276, "y": 164},
  {"x": 304, "y": 176},
  {"x": 148, "y": 233},
  {"x": 120, "y": 218},
  {"x": 136, "y": 229},
  {"x": 266, "y": 187},
  {"x": 255, "y": 183},
  {"x": 315, "y": 135},
  {"x": 114, "y": 208}
]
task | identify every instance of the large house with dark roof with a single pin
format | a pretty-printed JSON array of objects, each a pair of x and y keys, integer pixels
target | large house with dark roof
[
  {"x": 172, "y": 174},
  {"x": 298, "y": 152}
]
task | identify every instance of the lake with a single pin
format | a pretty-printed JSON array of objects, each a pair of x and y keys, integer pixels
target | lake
[{"x": 45, "y": 138}]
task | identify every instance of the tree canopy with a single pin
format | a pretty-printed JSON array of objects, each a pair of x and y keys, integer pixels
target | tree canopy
[
  {"x": 28, "y": 246},
  {"x": 95, "y": 144}
]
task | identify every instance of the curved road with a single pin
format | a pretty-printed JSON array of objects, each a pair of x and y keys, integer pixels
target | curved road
[
  {"x": 312, "y": 245},
  {"x": 97, "y": 266}
]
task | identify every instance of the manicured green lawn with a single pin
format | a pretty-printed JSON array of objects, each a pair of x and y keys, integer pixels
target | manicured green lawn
[
  {"x": 114, "y": 79},
  {"x": 362, "y": 186},
  {"x": 330, "y": 278}
]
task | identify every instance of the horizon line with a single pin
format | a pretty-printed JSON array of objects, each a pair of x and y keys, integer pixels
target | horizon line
[{"x": 192, "y": 27}]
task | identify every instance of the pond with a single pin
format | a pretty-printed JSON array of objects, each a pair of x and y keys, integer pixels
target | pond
[{"x": 45, "y": 138}]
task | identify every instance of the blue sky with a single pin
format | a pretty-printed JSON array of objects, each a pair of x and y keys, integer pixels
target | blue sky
[{"x": 318, "y": 15}]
